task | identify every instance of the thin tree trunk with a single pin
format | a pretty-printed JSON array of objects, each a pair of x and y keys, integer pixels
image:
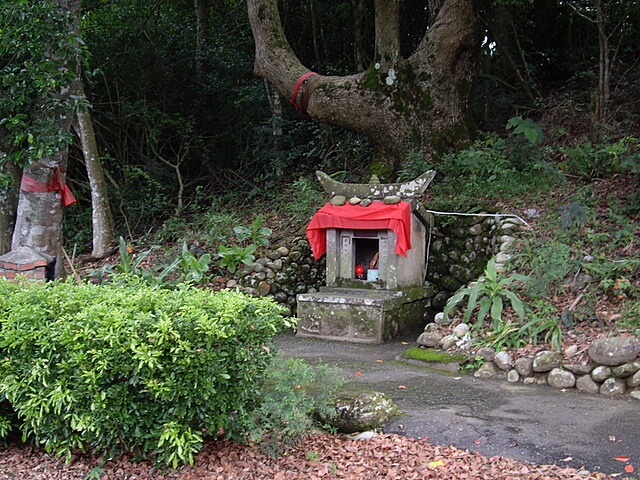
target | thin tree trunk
[
  {"x": 8, "y": 202},
  {"x": 101, "y": 215},
  {"x": 357, "y": 6},
  {"x": 202, "y": 34},
  {"x": 602, "y": 93},
  {"x": 275, "y": 105}
]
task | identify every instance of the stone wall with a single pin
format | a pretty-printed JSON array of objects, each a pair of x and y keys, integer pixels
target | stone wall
[
  {"x": 613, "y": 368},
  {"x": 460, "y": 248},
  {"x": 283, "y": 273}
]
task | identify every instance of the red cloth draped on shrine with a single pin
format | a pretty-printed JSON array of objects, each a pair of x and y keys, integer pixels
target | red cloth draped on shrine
[{"x": 374, "y": 217}]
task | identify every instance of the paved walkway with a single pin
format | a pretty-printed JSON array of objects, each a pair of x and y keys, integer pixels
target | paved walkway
[{"x": 526, "y": 422}]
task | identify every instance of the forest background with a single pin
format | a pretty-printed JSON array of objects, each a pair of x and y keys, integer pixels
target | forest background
[{"x": 184, "y": 128}]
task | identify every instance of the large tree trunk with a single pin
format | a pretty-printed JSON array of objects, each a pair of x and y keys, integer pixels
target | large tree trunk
[
  {"x": 421, "y": 102},
  {"x": 101, "y": 215},
  {"x": 39, "y": 214}
]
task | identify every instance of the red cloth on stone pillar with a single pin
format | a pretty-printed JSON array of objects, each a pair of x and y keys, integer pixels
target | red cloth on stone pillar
[{"x": 376, "y": 216}]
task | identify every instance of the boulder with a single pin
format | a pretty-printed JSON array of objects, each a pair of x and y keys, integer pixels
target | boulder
[
  {"x": 614, "y": 351},
  {"x": 360, "y": 412}
]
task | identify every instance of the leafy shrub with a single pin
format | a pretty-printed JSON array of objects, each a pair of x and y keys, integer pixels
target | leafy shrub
[
  {"x": 413, "y": 165},
  {"x": 550, "y": 263},
  {"x": 600, "y": 160},
  {"x": 232, "y": 257},
  {"x": 300, "y": 200},
  {"x": 294, "y": 395},
  {"x": 185, "y": 268},
  {"x": 128, "y": 367},
  {"x": 489, "y": 293},
  {"x": 255, "y": 233}
]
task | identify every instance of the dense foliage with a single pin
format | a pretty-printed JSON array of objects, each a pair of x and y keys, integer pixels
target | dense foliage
[
  {"x": 128, "y": 367},
  {"x": 35, "y": 49}
]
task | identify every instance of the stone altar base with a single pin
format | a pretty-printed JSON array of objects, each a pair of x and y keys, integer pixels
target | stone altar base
[{"x": 360, "y": 315}]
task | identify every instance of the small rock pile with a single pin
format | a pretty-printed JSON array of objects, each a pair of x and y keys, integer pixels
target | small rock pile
[{"x": 613, "y": 367}]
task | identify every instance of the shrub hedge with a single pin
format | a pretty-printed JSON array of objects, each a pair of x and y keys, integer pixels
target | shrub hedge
[{"x": 129, "y": 367}]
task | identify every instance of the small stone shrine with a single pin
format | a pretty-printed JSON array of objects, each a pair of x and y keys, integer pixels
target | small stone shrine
[{"x": 375, "y": 238}]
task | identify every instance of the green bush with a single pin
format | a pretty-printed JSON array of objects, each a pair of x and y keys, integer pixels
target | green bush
[
  {"x": 128, "y": 367},
  {"x": 294, "y": 396}
]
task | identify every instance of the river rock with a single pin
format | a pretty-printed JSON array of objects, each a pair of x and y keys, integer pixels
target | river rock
[
  {"x": 503, "y": 360},
  {"x": 487, "y": 370},
  {"x": 578, "y": 369},
  {"x": 391, "y": 200},
  {"x": 487, "y": 353},
  {"x": 460, "y": 330},
  {"x": 614, "y": 351},
  {"x": 448, "y": 342},
  {"x": 429, "y": 339},
  {"x": 513, "y": 376},
  {"x": 570, "y": 350},
  {"x": 431, "y": 327},
  {"x": 546, "y": 361},
  {"x": 626, "y": 370},
  {"x": 634, "y": 380},
  {"x": 635, "y": 394},
  {"x": 601, "y": 373},
  {"x": 613, "y": 386},
  {"x": 586, "y": 384},
  {"x": 338, "y": 200},
  {"x": 264, "y": 288},
  {"x": 524, "y": 366},
  {"x": 560, "y": 378}
]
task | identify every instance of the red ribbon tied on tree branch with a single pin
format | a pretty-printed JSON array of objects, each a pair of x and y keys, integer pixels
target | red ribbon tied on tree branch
[
  {"x": 56, "y": 183},
  {"x": 302, "y": 106}
]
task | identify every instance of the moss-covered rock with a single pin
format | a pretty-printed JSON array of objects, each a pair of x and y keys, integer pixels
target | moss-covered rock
[{"x": 359, "y": 412}]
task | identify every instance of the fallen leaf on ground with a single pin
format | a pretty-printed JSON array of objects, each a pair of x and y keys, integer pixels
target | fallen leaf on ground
[
  {"x": 621, "y": 458},
  {"x": 629, "y": 468}
]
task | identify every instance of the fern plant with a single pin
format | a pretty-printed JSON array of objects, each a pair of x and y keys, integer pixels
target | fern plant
[{"x": 489, "y": 293}]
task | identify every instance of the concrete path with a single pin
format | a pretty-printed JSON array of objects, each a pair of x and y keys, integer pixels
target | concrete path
[{"x": 526, "y": 422}]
